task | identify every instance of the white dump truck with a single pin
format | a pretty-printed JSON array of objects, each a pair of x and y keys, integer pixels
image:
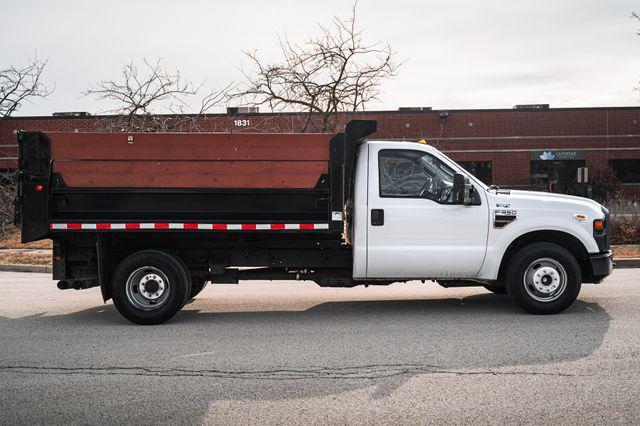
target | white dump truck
[{"x": 152, "y": 218}]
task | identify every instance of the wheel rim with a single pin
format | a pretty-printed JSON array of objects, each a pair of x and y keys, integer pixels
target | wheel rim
[
  {"x": 148, "y": 288},
  {"x": 545, "y": 280}
]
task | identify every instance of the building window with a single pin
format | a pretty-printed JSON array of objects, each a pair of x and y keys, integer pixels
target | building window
[
  {"x": 480, "y": 169},
  {"x": 628, "y": 170}
]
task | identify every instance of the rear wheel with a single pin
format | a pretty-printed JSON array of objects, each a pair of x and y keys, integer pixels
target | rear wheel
[
  {"x": 544, "y": 278},
  {"x": 150, "y": 286}
]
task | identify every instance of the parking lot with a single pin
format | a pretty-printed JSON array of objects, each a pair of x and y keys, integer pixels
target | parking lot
[{"x": 286, "y": 352}]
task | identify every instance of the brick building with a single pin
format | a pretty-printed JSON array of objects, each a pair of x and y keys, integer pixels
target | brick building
[{"x": 531, "y": 146}]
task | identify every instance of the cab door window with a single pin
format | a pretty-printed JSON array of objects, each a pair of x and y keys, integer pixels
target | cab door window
[{"x": 407, "y": 173}]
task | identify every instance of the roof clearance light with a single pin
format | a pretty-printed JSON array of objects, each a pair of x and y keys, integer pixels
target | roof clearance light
[{"x": 423, "y": 142}]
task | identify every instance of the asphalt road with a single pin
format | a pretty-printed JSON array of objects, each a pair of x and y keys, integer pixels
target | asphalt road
[{"x": 295, "y": 353}]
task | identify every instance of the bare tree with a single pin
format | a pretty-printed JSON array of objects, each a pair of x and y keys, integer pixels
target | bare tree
[
  {"x": 634, "y": 15},
  {"x": 20, "y": 83},
  {"x": 8, "y": 186},
  {"x": 332, "y": 72},
  {"x": 152, "y": 99}
]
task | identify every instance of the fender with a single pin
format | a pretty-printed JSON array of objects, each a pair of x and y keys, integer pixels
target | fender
[{"x": 499, "y": 242}]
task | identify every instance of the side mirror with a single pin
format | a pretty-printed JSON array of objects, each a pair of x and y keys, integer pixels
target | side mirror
[{"x": 461, "y": 189}]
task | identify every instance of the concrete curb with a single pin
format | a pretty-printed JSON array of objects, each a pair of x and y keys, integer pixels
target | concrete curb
[
  {"x": 44, "y": 269},
  {"x": 626, "y": 263},
  {"x": 26, "y": 251}
]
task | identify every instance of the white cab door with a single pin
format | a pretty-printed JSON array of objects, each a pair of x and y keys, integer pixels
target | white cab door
[{"x": 413, "y": 232}]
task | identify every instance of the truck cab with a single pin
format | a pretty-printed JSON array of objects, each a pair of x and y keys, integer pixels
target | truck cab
[{"x": 411, "y": 221}]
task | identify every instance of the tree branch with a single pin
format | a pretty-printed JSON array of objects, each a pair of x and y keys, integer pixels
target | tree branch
[
  {"x": 20, "y": 84},
  {"x": 332, "y": 72}
]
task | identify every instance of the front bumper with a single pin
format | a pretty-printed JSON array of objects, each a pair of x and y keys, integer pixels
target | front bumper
[{"x": 601, "y": 265}]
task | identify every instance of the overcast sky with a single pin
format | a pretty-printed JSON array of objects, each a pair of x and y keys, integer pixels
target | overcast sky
[{"x": 459, "y": 54}]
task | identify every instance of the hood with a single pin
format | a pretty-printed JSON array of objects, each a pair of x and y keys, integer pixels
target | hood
[{"x": 548, "y": 201}]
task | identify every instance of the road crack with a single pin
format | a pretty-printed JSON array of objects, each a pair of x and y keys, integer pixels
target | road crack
[{"x": 373, "y": 371}]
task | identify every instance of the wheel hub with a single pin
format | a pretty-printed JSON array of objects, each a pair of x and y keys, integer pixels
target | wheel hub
[
  {"x": 151, "y": 286},
  {"x": 546, "y": 280}
]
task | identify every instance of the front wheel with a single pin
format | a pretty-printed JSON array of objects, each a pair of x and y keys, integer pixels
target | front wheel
[
  {"x": 543, "y": 278},
  {"x": 150, "y": 286}
]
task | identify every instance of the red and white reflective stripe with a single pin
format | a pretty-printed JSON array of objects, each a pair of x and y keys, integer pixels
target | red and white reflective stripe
[{"x": 188, "y": 226}]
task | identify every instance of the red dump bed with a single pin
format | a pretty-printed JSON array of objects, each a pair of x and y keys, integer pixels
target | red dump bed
[
  {"x": 94, "y": 182},
  {"x": 188, "y": 160}
]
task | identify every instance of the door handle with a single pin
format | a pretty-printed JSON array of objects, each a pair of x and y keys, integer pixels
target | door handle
[{"x": 377, "y": 217}]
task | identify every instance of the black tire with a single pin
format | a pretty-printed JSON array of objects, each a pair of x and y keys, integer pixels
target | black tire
[
  {"x": 539, "y": 268},
  {"x": 163, "y": 273},
  {"x": 496, "y": 288},
  {"x": 197, "y": 286}
]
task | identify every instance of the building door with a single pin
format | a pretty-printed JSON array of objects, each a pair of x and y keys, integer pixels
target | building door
[
  {"x": 555, "y": 176},
  {"x": 556, "y": 171}
]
